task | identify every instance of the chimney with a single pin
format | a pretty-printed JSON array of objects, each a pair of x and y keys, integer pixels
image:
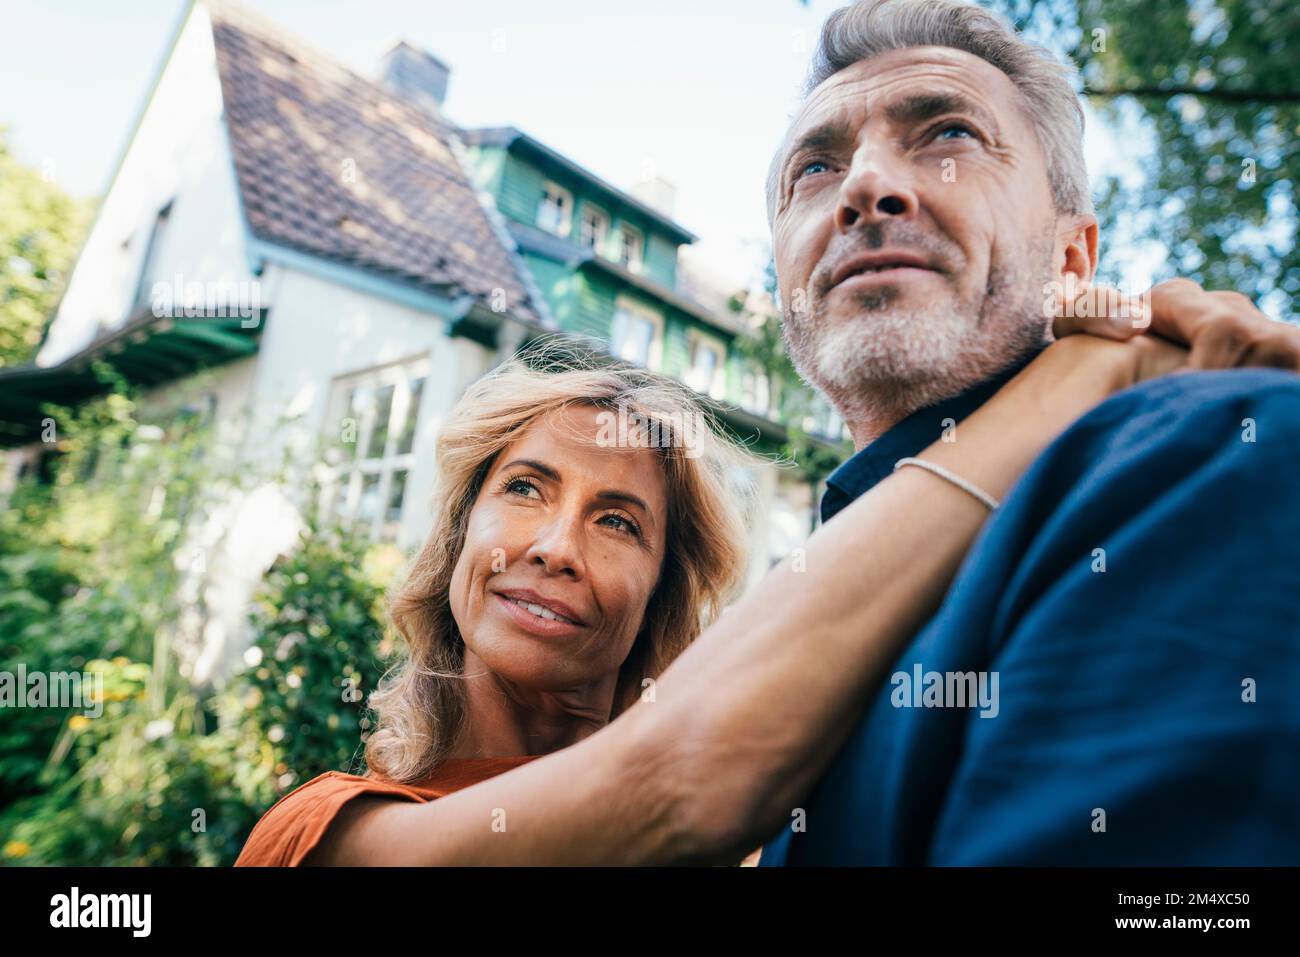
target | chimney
[
  {"x": 415, "y": 75},
  {"x": 657, "y": 193}
]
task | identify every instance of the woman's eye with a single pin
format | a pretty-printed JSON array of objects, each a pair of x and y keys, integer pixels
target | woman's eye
[
  {"x": 626, "y": 524},
  {"x": 516, "y": 485}
]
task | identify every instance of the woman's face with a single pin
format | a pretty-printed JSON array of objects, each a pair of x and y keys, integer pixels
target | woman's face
[{"x": 576, "y": 528}]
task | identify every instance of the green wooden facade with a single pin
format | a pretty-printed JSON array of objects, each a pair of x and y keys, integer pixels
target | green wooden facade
[{"x": 582, "y": 290}]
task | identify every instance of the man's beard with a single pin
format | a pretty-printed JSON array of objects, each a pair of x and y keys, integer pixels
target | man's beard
[{"x": 887, "y": 360}]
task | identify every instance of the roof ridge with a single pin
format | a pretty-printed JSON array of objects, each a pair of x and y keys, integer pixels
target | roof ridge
[
  {"x": 411, "y": 208},
  {"x": 242, "y": 16}
]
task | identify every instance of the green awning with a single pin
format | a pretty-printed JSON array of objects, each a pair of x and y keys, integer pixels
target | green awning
[{"x": 147, "y": 351}]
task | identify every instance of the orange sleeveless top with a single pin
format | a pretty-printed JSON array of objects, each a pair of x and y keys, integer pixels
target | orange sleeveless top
[{"x": 294, "y": 825}]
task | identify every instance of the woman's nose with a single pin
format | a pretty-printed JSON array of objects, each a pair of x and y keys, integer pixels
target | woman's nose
[{"x": 557, "y": 545}]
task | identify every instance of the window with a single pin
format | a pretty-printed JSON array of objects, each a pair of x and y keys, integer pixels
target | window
[
  {"x": 144, "y": 283},
  {"x": 707, "y": 358},
  {"x": 593, "y": 227},
  {"x": 630, "y": 244},
  {"x": 635, "y": 334},
  {"x": 555, "y": 209},
  {"x": 376, "y": 415},
  {"x": 755, "y": 396}
]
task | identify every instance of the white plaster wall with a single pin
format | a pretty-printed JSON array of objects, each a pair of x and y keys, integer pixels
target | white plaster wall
[
  {"x": 320, "y": 330},
  {"x": 181, "y": 152}
]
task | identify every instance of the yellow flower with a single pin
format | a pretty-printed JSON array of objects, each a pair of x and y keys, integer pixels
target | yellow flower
[
  {"x": 78, "y": 722},
  {"x": 17, "y": 849}
]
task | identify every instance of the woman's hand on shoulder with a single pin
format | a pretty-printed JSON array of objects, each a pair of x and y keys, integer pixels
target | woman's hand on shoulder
[{"x": 1218, "y": 330}]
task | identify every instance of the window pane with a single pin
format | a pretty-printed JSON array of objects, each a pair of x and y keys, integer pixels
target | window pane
[
  {"x": 360, "y": 402},
  {"x": 407, "y": 437},
  {"x": 396, "y": 491},
  {"x": 630, "y": 337},
  {"x": 645, "y": 331},
  {"x": 553, "y": 211},
  {"x": 368, "y": 505},
  {"x": 593, "y": 229},
  {"x": 383, "y": 410},
  {"x": 704, "y": 366},
  {"x": 618, "y": 333},
  {"x": 339, "y": 502}
]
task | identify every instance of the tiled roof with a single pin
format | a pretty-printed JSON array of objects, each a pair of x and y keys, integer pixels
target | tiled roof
[{"x": 332, "y": 164}]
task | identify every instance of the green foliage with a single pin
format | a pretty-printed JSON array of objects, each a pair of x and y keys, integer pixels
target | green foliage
[
  {"x": 40, "y": 230},
  {"x": 90, "y": 575},
  {"x": 318, "y": 620},
  {"x": 1215, "y": 84},
  {"x": 764, "y": 346}
]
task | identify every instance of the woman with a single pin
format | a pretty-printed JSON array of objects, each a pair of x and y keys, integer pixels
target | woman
[{"x": 585, "y": 536}]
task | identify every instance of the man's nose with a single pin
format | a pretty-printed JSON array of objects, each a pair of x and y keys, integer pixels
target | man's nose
[
  {"x": 558, "y": 546},
  {"x": 876, "y": 189}
]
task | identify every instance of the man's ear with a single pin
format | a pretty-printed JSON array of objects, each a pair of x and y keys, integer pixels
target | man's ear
[{"x": 1075, "y": 253}]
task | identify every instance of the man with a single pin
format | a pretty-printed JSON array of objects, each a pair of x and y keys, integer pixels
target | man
[{"x": 1126, "y": 630}]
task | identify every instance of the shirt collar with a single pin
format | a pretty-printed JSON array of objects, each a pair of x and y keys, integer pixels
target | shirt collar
[{"x": 873, "y": 463}]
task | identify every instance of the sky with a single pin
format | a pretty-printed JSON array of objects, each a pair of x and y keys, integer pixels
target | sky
[{"x": 696, "y": 91}]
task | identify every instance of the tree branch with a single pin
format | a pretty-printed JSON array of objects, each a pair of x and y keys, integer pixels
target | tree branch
[{"x": 1229, "y": 96}]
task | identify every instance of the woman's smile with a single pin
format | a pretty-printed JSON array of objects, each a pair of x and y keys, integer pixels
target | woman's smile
[{"x": 535, "y": 618}]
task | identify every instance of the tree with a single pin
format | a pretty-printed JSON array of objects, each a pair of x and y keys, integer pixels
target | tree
[
  {"x": 1215, "y": 84},
  {"x": 41, "y": 228}
]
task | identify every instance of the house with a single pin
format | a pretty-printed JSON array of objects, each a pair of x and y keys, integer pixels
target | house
[{"x": 312, "y": 247}]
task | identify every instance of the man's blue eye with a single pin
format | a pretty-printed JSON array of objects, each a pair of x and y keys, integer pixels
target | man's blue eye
[
  {"x": 956, "y": 128},
  {"x": 808, "y": 166}
]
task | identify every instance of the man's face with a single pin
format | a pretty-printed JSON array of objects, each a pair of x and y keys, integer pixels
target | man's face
[{"x": 924, "y": 162}]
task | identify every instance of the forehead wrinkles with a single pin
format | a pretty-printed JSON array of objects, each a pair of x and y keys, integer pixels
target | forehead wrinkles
[{"x": 852, "y": 98}]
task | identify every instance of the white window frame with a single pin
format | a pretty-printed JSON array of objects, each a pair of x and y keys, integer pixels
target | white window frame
[
  {"x": 341, "y": 492},
  {"x": 549, "y": 190},
  {"x": 602, "y": 240},
  {"x": 635, "y": 263},
  {"x": 654, "y": 350},
  {"x": 695, "y": 339}
]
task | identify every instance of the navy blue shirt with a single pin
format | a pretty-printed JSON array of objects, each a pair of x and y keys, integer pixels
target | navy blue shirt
[{"x": 1133, "y": 612}]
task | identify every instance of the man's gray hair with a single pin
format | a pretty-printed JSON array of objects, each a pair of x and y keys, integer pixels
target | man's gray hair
[{"x": 869, "y": 28}]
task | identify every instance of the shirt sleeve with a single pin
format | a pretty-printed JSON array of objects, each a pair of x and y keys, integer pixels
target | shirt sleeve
[
  {"x": 1146, "y": 639},
  {"x": 289, "y": 831}
]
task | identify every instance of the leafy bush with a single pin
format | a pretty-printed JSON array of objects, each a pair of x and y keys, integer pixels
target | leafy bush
[{"x": 168, "y": 773}]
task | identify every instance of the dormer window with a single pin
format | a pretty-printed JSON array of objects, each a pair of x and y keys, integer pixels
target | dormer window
[
  {"x": 630, "y": 247},
  {"x": 144, "y": 281},
  {"x": 555, "y": 210},
  {"x": 593, "y": 227}
]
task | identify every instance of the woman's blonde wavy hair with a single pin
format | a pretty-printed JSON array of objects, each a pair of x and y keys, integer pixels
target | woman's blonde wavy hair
[{"x": 421, "y": 703}]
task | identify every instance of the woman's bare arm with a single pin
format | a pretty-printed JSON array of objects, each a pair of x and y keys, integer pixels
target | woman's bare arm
[{"x": 746, "y": 719}]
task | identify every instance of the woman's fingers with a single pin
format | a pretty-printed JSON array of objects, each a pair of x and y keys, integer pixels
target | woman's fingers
[
  {"x": 1221, "y": 330},
  {"x": 1157, "y": 357},
  {"x": 1279, "y": 349},
  {"x": 1099, "y": 311}
]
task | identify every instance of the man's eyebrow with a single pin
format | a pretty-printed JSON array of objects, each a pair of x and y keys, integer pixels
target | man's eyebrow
[
  {"x": 922, "y": 106},
  {"x": 608, "y": 494},
  {"x": 823, "y": 136},
  {"x": 910, "y": 109}
]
